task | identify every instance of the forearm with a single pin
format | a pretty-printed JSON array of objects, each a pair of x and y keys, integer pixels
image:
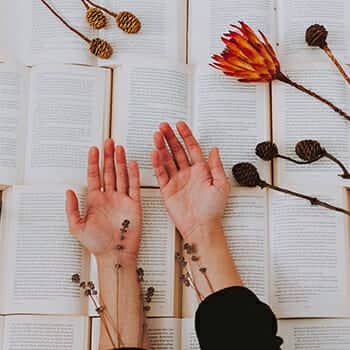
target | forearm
[
  {"x": 120, "y": 295},
  {"x": 214, "y": 259}
]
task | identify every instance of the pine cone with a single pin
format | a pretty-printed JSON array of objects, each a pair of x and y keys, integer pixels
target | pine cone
[
  {"x": 96, "y": 18},
  {"x": 246, "y": 174},
  {"x": 101, "y": 48},
  {"x": 309, "y": 150},
  {"x": 316, "y": 35},
  {"x": 266, "y": 150},
  {"x": 128, "y": 22}
]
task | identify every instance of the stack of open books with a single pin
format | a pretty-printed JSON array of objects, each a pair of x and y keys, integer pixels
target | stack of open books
[{"x": 56, "y": 100}]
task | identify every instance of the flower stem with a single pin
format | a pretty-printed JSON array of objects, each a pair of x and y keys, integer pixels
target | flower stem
[
  {"x": 283, "y": 78},
  {"x": 66, "y": 23},
  {"x": 85, "y": 4},
  {"x": 111, "y": 13},
  {"x": 312, "y": 200},
  {"x": 346, "y": 174},
  {"x": 298, "y": 161},
  {"x": 329, "y": 52}
]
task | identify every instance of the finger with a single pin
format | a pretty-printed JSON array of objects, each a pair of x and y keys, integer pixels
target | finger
[
  {"x": 73, "y": 213},
  {"x": 175, "y": 145},
  {"x": 191, "y": 143},
  {"x": 109, "y": 180},
  {"x": 93, "y": 176},
  {"x": 216, "y": 168},
  {"x": 165, "y": 156},
  {"x": 134, "y": 181},
  {"x": 159, "y": 169},
  {"x": 122, "y": 170}
]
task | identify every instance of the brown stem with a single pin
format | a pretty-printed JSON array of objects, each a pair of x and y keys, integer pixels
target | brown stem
[
  {"x": 329, "y": 52},
  {"x": 206, "y": 278},
  {"x": 117, "y": 303},
  {"x": 65, "y": 22},
  {"x": 346, "y": 174},
  {"x": 312, "y": 200},
  {"x": 297, "y": 161},
  {"x": 283, "y": 78},
  {"x": 111, "y": 13},
  {"x": 194, "y": 286},
  {"x": 85, "y": 4}
]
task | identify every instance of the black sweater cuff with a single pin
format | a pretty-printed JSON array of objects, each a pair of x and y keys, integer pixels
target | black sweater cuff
[{"x": 235, "y": 318}]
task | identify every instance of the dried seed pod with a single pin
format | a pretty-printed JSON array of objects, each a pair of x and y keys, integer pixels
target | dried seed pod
[
  {"x": 128, "y": 22},
  {"x": 96, "y": 18},
  {"x": 266, "y": 150},
  {"x": 101, "y": 48},
  {"x": 316, "y": 35},
  {"x": 309, "y": 150},
  {"x": 246, "y": 174},
  {"x": 76, "y": 278}
]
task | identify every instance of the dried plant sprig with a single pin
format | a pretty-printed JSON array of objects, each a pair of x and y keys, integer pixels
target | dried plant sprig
[
  {"x": 316, "y": 36},
  {"x": 187, "y": 277},
  {"x": 95, "y": 17},
  {"x": 125, "y": 20},
  {"x": 311, "y": 151},
  {"x": 252, "y": 60},
  {"x": 89, "y": 290},
  {"x": 98, "y": 47},
  {"x": 247, "y": 175},
  {"x": 191, "y": 250},
  {"x": 268, "y": 150}
]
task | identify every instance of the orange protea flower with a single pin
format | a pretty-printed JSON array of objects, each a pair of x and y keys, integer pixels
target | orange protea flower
[{"x": 253, "y": 60}]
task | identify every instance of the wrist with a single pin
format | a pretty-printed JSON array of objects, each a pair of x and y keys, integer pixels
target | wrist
[
  {"x": 204, "y": 231},
  {"x": 114, "y": 257}
]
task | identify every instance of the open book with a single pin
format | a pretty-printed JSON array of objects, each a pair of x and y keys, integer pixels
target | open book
[
  {"x": 44, "y": 332},
  {"x": 49, "y": 116},
  {"x": 27, "y": 27},
  {"x": 164, "y": 333}
]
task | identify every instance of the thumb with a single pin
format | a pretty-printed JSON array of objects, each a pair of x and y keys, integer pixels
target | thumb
[{"x": 73, "y": 213}]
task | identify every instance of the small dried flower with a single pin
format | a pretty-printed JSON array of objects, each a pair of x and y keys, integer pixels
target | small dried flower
[
  {"x": 203, "y": 270},
  {"x": 147, "y": 308},
  {"x": 316, "y": 35},
  {"x": 148, "y": 298},
  {"x": 266, "y": 150},
  {"x": 178, "y": 256},
  {"x": 246, "y": 174},
  {"x": 150, "y": 291},
  {"x": 87, "y": 292},
  {"x": 76, "y": 278},
  {"x": 96, "y": 18},
  {"x": 194, "y": 258},
  {"x": 83, "y": 285},
  {"x": 309, "y": 150},
  {"x": 187, "y": 283},
  {"x": 125, "y": 223},
  {"x": 91, "y": 285}
]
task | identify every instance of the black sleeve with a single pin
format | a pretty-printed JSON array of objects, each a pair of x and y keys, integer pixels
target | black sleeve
[{"x": 234, "y": 318}]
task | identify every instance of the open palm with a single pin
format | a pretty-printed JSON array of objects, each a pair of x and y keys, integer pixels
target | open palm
[
  {"x": 195, "y": 193},
  {"x": 106, "y": 211}
]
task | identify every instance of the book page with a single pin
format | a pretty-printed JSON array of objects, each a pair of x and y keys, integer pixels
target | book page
[
  {"x": 144, "y": 96},
  {"x": 232, "y": 116},
  {"x": 45, "y": 332},
  {"x": 298, "y": 116},
  {"x": 13, "y": 108},
  {"x": 41, "y": 255},
  {"x": 209, "y": 19},
  {"x": 156, "y": 256},
  {"x": 309, "y": 252},
  {"x": 32, "y": 26},
  {"x": 164, "y": 333},
  {"x": 162, "y": 35},
  {"x": 189, "y": 336},
  {"x": 69, "y": 113},
  {"x": 315, "y": 334},
  {"x": 294, "y": 17},
  {"x": 246, "y": 229},
  {"x": 1, "y": 332}
]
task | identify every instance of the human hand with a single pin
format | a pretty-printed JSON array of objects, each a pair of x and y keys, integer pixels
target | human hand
[
  {"x": 99, "y": 230},
  {"x": 195, "y": 190}
]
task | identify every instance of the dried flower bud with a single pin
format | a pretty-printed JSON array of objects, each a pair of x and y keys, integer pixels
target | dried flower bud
[
  {"x": 100, "y": 309},
  {"x": 91, "y": 285},
  {"x": 194, "y": 258},
  {"x": 125, "y": 223},
  {"x": 82, "y": 285},
  {"x": 266, "y": 150},
  {"x": 101, "y": 48},
  {"x": 96, "y": 18},
  {"x": 188, "y": 248},
  {"x": 187, "y": 282},
  {"x": 76, "y": 278},
  {"x": 316, "y": 35},
  {"x": 94, "y": 292},
  {"x": 178, "y": 256},
  {"x": 203, "y": 270},
  {"x": 128, "y": 22},
  {"x": 140, "y": 271},
  {"x": 147, "y": 308},
  {"x": 148, "y": 299},
  {"x": 309, "y": 150},
  {"x": 150, "y": 291},
  {"x": 87, "y": 292},
  {"x": 246, "y": 174}
]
